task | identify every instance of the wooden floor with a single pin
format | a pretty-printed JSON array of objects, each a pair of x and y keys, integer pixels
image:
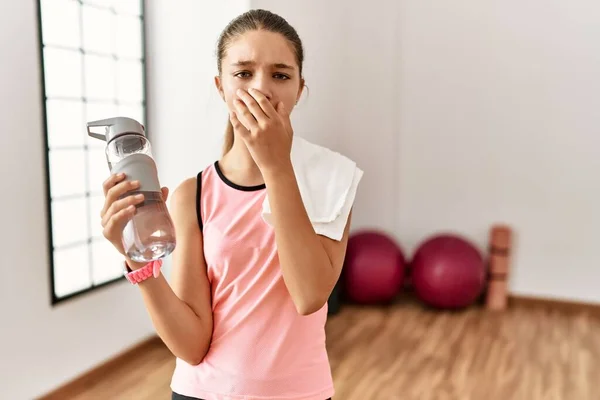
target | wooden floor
[{"x": 408, "y": 352}]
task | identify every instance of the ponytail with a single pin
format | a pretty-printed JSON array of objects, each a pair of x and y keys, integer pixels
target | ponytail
[{"x": 228, "y": 141}]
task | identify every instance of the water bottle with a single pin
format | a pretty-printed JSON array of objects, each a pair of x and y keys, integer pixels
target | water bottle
[{"x": 150, "y": 234}]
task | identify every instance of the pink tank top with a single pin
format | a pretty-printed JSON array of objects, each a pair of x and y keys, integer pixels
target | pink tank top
[{"x": 261, "y": 347}]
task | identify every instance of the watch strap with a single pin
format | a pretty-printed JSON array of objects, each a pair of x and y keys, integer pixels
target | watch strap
[{"x": 139, "y": 275}]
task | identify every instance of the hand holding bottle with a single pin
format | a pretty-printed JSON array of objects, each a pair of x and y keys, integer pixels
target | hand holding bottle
[
  {"x": 119, "y": 208},
  {"x": 135, "y": 217}
]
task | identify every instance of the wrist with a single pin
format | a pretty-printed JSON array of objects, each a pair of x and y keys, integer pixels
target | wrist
[
  {"x": 148, "y": 270},
  {"x": 282, "y": 170},
  {"x": 133, "y": 265}
]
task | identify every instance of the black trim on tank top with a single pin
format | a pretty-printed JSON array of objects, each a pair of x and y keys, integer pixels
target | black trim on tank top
[
  {"x": 199, "y": 199},
  {"x": 235, "y": 185}
]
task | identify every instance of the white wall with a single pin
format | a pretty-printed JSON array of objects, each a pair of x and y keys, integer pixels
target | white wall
[
  {"x": 498, "y": 121},
  {"x": 41, "y": 347},
  {"x": 463, "y": 114}
]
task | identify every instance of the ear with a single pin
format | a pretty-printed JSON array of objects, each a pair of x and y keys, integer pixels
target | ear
[
  {"x": 219, "y": 87},
  {"x": 300, "y": 90}
]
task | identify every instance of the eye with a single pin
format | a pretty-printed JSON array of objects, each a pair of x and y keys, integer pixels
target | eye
[
  {"x": 242, "y": 74},
  {"x": 281, "y": 76}
]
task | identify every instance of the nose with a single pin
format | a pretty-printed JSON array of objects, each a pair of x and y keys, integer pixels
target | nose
[{"x": 262, "y": 84}]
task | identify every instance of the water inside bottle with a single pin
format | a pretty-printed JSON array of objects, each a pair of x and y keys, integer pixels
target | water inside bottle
[{"x": 150, "y": 234}]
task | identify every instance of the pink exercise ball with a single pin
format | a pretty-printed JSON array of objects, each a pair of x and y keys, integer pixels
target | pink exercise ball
[
  {"x": 373, "y": 268},
  {"x": 447, "y": 272}
]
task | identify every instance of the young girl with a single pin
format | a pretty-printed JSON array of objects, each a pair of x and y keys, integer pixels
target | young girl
[{"x": 246, "y": 309}]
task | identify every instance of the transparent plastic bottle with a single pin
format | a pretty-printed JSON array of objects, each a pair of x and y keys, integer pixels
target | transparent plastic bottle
[{"x": 150, "y": 234}]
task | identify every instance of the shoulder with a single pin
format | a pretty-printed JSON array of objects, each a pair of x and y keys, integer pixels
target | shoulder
[
  {"x": 184, "y": 192},
  {"x": 184, "y": 200}
]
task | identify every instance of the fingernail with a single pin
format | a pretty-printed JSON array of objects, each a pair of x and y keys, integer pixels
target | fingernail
[
  {"x": 135, "y": 183},
  {"x": 139, "y": 196},
  {"x": 120, "y": 175}
]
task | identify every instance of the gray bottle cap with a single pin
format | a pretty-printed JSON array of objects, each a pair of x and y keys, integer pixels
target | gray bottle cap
[{"x": 115, "y": 127}]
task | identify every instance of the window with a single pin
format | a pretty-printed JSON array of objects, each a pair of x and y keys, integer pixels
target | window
[{"x": 93, "y": 67}]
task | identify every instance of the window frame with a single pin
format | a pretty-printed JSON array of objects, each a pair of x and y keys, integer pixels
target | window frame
[{"x": 93, "y": 287}]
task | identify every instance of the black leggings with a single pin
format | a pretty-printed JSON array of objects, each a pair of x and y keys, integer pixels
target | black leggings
[{"x": 177, "y": 396}]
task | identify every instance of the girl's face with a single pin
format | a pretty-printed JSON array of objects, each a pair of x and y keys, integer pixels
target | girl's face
[{"x": 264, "y": 61}]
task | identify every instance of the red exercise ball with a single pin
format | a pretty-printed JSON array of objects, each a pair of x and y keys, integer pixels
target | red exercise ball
[
  {"x": 448, "y": 272},
  {"x": 373, "y": 268}
]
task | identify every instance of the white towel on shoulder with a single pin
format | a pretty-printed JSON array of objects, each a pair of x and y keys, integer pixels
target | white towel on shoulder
[{"x": 327, "y": 181}]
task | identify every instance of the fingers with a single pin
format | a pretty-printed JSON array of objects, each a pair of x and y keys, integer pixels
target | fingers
[
  {"x": 116, "y": 184},
  {"x": 116, "y": 207},
  {"x": 238, "y": 126},
  {"x": 285, "y": 117},
  {"x": 114, "y": 188},
  {"x": 119, "y": 207},
  {"x": 112, "y": 181},
  {"x": 244, "y": 115},
  {"x": 116, "y": 191},
  {"x": 258, "y": 103},
  {"x": 281, "y": 110},
  {"x": 115, "y": 224}
]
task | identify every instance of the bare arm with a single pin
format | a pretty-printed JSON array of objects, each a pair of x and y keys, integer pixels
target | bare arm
[
  {"x": 182, "y": 314},
  {"x": 311, "y": 264}
]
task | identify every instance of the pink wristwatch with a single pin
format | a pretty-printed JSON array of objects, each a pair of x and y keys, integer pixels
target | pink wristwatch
[{"x": 148, "y": 270}]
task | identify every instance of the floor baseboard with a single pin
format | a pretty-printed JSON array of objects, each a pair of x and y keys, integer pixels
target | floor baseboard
[
  {"x": 89, "y": 378},
  {"x": 565, "y": 306}
]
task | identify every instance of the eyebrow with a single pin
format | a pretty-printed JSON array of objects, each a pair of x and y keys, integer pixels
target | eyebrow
[{"x": 250, "y": 63}]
